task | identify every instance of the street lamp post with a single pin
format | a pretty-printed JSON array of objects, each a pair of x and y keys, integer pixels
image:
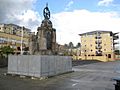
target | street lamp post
[{"x": 22, "y": 40}]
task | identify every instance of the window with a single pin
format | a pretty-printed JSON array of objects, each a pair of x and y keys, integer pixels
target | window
[
  {"x": 107, "y": 34},
  {"x": 109, "y": 55},
  {"x": 91, "y": 50},
  {"x": 90, "y": 35},
  {"x": 18, "y": 48},
  {"x": 104, "y": 49},
  {"x": 91, "y": 45},
  {"x": 14, "y": 32}
]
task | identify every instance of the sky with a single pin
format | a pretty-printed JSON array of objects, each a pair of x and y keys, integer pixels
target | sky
[{"x": 69, "y": 17}]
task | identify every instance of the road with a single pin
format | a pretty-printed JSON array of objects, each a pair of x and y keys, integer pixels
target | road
[{"x": 94, "y": 76}]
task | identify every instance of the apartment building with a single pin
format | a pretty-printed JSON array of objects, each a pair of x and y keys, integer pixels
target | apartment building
[
  {"x": 11, "y": 35},
  {"x": 98, "y": 45}
]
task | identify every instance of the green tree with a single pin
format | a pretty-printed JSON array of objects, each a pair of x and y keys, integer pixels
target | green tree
[
  {"x": 71, "y": 45},
  {"x": 117, "y": 52},
  {"x": 6, "y": 50},
  {"x": 78, "y": 45}
]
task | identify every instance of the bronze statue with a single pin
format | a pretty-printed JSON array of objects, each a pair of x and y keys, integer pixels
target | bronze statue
[{"x": 46, "y": 12}]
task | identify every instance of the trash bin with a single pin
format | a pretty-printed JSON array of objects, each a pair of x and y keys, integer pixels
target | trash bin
[{"x": 117, "y": 87}]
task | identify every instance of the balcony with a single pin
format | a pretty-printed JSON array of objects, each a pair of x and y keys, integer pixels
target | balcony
[
  {"x": 115, "y": 33},
  {"x": 98, "y": 37},
  {"x": 98, "y": 47},
  {"x": 115, "y": 43},
  {"x": 98, "y": 42},
  {"x": 98, "y": 53},
  {"x": 115, "y": 37}
]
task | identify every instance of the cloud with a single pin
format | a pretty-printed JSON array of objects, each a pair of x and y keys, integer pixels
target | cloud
[
  {"x": 29, "y": 19},
  {"x": 68, "y": 5},
  {"x": 70, "y": 24},
  {"x": 19, "y": 12},
  {"x": 105, "y": 2}
]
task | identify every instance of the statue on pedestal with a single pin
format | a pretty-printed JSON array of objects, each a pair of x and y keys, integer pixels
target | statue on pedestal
[{"x": 45, "y": 42}]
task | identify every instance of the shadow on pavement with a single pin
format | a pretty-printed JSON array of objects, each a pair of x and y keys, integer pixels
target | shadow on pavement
[{"x": 83, "y": 62}]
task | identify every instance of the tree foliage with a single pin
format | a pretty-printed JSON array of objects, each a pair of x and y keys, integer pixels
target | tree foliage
[
  {"x": 6, "y": 50},
  {"x": 78, "y": 45},
  {"x": 71, "y": 45},
  {"x": 66, "y": 46},
  {"x": 117, "y": 52}
]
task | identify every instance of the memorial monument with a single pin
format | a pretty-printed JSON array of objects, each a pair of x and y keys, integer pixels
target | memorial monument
[
  {"x": 44, "y": 42},
  {"x": 42, "y": 62}
]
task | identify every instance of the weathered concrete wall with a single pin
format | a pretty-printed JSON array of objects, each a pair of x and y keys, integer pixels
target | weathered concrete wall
[{"x": 39, "y": 66}]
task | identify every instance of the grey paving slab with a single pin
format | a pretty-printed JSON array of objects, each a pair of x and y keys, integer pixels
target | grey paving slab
[
  {"x": 51, "y": 65},
  {"x": 12, "y": 67},
  {"x": 22, "y": 65},
  {"x": 44, "y": 66},
  {"x": 34, "y": 66}
]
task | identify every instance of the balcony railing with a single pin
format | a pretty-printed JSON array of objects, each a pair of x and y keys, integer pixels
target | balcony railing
[
  {"x": 98, "y": 37},
  {"x": 98, "y": 52},
  {"x": 115, "y": 37},
  {"x": 115, "y": 33},
  {"x": 98, "y": 47},
  {"x": 115, "y": 43},
  {"x": 98, "y": 42}
]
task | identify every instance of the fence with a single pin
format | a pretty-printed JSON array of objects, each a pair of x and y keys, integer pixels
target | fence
[{"x": 39, "y": 66}]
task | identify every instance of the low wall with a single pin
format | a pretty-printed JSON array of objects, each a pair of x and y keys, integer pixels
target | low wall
[
  {"x": 39, "y": 66},
  {"x": 3, "y": 62},
  {"x": 100, "y": 58},
  {"x": 117, "y": 57}
]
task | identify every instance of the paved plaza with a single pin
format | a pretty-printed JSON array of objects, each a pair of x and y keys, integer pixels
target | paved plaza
[{"x": 93, "y": 76}]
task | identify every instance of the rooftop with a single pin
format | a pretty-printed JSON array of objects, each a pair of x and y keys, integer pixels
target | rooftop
[{"x": 94, "y": 32}]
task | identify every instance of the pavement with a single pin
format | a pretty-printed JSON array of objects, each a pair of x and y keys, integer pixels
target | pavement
[
  {"x": 83, "y": 62},
  {"x": 93, "y": 76}
]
